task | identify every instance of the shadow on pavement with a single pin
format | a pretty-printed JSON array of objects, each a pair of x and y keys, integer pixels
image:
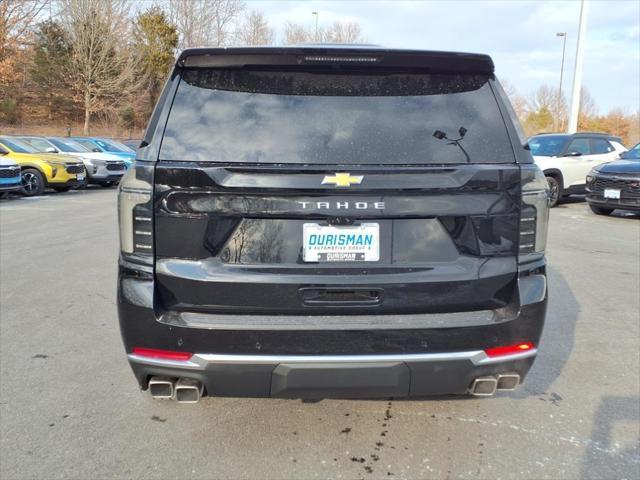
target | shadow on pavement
[
  {"x": 557, "y": 340},
  {"x": 597, "y": 463},
  {"x": 570, "y": 199}
]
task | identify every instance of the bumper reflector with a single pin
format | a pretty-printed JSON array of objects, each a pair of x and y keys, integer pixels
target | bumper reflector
[
  {"x": 509, "y": 350},
  {"x": 164, "y": 354}
]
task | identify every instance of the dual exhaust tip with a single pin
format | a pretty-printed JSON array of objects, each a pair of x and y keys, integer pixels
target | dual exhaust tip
[
  {"x": 487, "y": 386},
  {"x": 183, "y": 390},
  {"x": 188, "y": 390}
]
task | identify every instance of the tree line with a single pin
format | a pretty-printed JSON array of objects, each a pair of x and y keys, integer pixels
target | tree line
[
  {"x": 104, "y": 62},
  {"x": 546, "y": 110}
]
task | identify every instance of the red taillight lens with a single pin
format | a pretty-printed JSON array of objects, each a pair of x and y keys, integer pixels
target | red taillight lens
[
  {"x": 509, "y": 350},
  {"x": 163, "y": 354}
]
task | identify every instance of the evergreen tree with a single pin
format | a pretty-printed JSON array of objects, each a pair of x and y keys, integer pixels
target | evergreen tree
[
  {"x": 51, "y": 62},
  {"x": 155, "y": 40}
]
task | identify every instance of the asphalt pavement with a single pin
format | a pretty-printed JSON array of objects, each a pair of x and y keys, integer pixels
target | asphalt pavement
[{"x": 70, "y": 407}]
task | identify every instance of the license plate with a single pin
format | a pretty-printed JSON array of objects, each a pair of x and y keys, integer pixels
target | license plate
[
  {"x": 611, "y": 193},
  {"x": 326, "y": 243},
  {"x": 80, "y": 178}
]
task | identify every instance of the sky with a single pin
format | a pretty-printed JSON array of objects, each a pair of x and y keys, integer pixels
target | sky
[{"x": 519, "y": 35}]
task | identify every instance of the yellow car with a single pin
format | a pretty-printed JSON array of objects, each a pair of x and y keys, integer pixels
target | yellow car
[{"x": 41, "y": 170}]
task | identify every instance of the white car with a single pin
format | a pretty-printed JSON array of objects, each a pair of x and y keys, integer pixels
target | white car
[
  {"x": 566, "y": 159},
  {"x": 102, "y": 168}
]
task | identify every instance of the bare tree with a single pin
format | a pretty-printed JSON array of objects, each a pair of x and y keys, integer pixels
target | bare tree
[
  {"x": 204, "y": 22},
  {"x": 17, "y": 18},
  {"x": 518, "y": 102},
  {"x": 343, "y": 32},
  {"x": 102, "y": 67},
  {"x": 547, "y": 98},
  {"x": 339, "y": 32},
  {"x": 296, "y": 33},
  {"x": 226, "y": 12},
  {"x": 588, "y": 107},
  {"x": 254, "y": 30}
]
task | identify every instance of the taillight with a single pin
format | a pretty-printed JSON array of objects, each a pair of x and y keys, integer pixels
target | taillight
[
  {"x": 509, "y": 349},
  {"x": 135, "y": 211},
  {"x": 534, "y": 214},
  {"x": 162, "y": 354}
]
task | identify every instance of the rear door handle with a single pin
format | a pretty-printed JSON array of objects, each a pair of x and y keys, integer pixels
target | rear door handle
[{"x": 341, "y": 296}]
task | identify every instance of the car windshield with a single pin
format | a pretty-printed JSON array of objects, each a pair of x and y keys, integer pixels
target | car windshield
[
  {"x": 633, "y": 154},
  {"x": 547, "y": 146},
  {"x": 113, "y": 146},
  {"x": 335, "y": 118},
  {"x": 40, "y": 144},
  {"x": 68, "y": 145},
  {"x": 17, "y": 146},
  {"x": 89, "y": 144}
]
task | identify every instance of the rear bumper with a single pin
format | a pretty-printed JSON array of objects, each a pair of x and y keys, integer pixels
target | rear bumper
[
  {"x": 334, "y": 376},
  {"x": 105, "y": 178},
  {"x": 411, "y": 356},
  {"x": 632, "y": 204}
]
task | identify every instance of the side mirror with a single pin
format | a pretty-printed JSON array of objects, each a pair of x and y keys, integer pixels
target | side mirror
[
  {"x": 573, "y": 154},
  {"x": 51, "y": 150},
  {"x": 3, "y": 151},
  {"x": 96, "y": 150}
]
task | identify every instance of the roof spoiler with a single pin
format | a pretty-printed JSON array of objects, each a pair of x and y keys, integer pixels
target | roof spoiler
[{"x": 314, "y": 56}]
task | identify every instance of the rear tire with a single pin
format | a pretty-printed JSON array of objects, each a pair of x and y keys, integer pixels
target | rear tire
[
  {"x": 62, "y": 189},
  {"x": 555, "y": 191},
  {"x": 601, "y": 210},
  {"x": 32, "y": 182}
]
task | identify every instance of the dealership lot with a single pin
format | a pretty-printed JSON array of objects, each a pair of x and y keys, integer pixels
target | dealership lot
[{"x": 70, "y": 406}]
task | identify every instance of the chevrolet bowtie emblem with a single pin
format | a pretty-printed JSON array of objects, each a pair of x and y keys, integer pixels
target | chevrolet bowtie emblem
[{"x": 342, "y": 179}]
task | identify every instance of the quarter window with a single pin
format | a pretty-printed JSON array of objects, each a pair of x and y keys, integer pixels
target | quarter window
[
  {"x": 600, "y": 145},
  {"x": 580, "y": 145}
]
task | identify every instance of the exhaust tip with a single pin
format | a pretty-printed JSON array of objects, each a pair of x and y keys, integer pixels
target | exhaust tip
[
  {"x": 508, "y": 381},
  {"x": 188, "y": 390},
  {"x": 484, "y": 386},
  {"x": 161, "y": 387}
]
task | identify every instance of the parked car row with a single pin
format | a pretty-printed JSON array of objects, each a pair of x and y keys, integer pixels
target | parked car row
[
  {"x": 29, "y": 164},
  {"x": 595, "y": 164}
]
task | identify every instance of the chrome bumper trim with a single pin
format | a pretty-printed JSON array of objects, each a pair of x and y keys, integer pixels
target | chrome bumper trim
[
  {"x": 336, "y": 322},
  {"x": 200, "y": 361}
]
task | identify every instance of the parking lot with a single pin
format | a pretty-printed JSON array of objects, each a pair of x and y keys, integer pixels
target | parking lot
[{"x": 71, "y": 408}]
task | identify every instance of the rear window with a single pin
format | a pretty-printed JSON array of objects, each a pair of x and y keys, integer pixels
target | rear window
[{"x": 322, "y": 118}]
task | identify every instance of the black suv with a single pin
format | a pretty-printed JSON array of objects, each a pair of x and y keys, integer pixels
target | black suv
[{"x": 332, "y": 222}]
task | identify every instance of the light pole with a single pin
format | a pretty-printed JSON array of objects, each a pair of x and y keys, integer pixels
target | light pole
[
  {"x": 577, "y": 72},
  {"x": 564, "y": 46},
  {"x": 316, "y": 15}
]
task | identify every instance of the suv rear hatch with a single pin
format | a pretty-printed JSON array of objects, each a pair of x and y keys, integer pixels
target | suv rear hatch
[{"x": 347, "y": 183}]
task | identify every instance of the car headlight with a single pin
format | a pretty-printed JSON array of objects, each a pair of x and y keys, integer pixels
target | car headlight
[{"x": 54, "y": 164}]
